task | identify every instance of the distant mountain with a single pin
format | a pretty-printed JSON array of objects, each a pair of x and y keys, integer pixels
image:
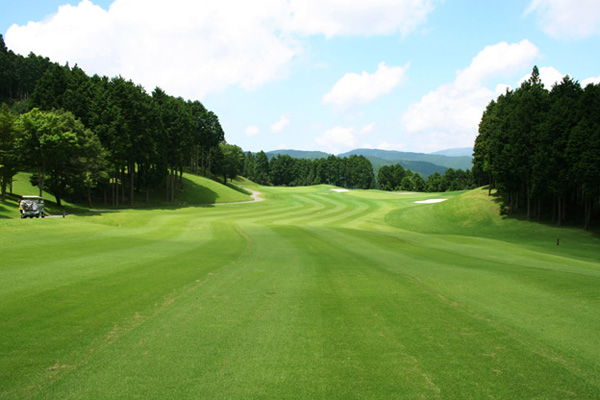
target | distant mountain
[
  {"x": 456, "y": 152},
  {"x": 424, "y": 164},
  {"x": 421, "y": 167},
  {"x": 312, "y": 155},
  {"x": 394, "y": 157}
]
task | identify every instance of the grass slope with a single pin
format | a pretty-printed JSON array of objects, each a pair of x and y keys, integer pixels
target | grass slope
[
  {"x": 197, "y": 190},
  {"x": 308, "y": 294}
]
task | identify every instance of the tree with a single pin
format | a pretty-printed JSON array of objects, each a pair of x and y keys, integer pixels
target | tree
[
  {"x": 61, "y": 149},
  {"x": 281, "y": 168},
  {"x": 263, "y": 171},
  {"x": 8, "y": 152},
  {"x": 233, "y": 161},
  {"x": 583, "y": 150}
]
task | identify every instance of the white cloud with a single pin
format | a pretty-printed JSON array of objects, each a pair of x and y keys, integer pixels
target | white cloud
[
  {"x": 367, "y": 129},
  {"x": 358, "y": 17},
  {"x": 593, "y": 80},
  {"x": 338, "y": 139},
  {"x": 192, "y": 48},
  {"x": 501, "y": 59},
  {"x": 449, "y": 115},
  {"x": 188, "y": 48},
  {"x": 573, "y": 19},
  {"x": 252, "y": 131},
  {"x": 387, "y": 145},
  {"x": 551, "y": 76},
  {"x": 279, "y": 125},
  {"x": 354, "y": 89}
]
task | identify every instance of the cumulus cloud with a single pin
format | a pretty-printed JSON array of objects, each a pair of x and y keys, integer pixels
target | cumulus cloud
[
  {"x": 279, "y": 125},
  {"x": 191, "y": 48},
  {"x": 338, "y": 139},
  {"x": 356, "y": 89},
  {"x": 573, "y": 19},
  {"x": 188, "y": 48},
  {"x": 594, "y": 80},
  {"x": 449, "y": 115},
  {"x": 252, "y": 131},
  {"x": 358, "y": 17}
]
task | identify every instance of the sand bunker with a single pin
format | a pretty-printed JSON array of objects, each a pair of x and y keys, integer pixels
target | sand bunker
[
  {"x": 430, "y": 201},
  {"x": 340, "y": 190}
]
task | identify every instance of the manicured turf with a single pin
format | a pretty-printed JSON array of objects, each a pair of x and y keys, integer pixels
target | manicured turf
[{"x": 309, "y": 294}]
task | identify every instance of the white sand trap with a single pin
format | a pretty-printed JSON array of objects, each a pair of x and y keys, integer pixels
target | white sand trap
[
  {"x": 340, "y": 190},
  {"x": 430, "y": 201}
]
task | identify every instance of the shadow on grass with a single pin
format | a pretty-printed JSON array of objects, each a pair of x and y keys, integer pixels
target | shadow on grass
[
  {"x": 521, "y": 215},
  {"x": 238, "y": 188},
  {"x": 193, "y": 196}
]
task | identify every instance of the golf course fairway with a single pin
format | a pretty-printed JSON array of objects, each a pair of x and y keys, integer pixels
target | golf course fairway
[{"x": 309, "y": 294}]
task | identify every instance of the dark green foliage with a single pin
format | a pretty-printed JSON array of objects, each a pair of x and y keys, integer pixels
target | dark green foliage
[
  {"x": 146, "y": 140},
  {"x": 541, "y": 149},
  {"x": 67, "y": 156},
  {"x": 395, "y": 177},
  {"x": 228, "y": 161}
]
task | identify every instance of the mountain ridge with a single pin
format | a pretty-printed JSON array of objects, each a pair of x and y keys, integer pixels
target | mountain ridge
[{"x": 423, "y": 163}]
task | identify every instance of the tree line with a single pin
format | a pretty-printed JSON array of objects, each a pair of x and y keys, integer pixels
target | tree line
[
  {"x": 100, "y": 137},
  {"x": 541, "y": 149},
  {"x": 353, "y": 172},
  {"x": 395, "y": 178}
]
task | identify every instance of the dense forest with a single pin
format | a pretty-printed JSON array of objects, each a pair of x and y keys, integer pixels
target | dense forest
[
  {"x": 97, "y": 137},
  {"x": 353, "y": 172},
  {"x": 541, "y": 149}
]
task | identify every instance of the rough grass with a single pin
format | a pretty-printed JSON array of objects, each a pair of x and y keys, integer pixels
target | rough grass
[{"x": 308, "y": 294}]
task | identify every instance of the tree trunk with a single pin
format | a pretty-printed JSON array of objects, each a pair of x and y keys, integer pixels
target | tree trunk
[
  {"x": 173, "y": 180},
  {"x": 168, "y": 185},
  {"x": 202, "y": 162},
  {"x": 528, "y": 204},
  {"x": 587, "y": 212},
  {"x": 41, "y": 183},
  {"x": 560, "y": 210},
  {"x": 116, "y": 186},
  {"x": 123, "y": 185},
  {"x": 131, "y": 182}
]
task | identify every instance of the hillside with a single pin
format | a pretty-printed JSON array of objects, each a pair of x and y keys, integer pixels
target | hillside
[
  {"x": 422, "y": 163},
  {"x": 311, "y": 155},
  {"x": 422, "y": 167},
  {"x": 393, "y": 157},
  {"x": 456, "y": 152},
  {"x": 197, "y": 190}
]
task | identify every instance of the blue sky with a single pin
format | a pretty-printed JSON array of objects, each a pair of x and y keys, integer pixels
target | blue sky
[{"x": 329, "y": 75}]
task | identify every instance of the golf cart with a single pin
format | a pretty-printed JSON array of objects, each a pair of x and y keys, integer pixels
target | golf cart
[{"x": 32, "y": 206}]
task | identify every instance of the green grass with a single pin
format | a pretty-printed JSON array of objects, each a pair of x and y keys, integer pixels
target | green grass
[
  {"x": 197, "y": 190},
  {"x": 308, "y": 294}
]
